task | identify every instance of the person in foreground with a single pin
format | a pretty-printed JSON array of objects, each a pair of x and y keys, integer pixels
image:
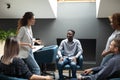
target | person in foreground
[
  {"x": 109, "y": 69},
  {"x": 13, "y": 66},
  {"x": 72, "y": 50}
]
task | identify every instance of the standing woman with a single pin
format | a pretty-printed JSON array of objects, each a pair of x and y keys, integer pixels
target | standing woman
[
  {"x": 115, "y": 23},
  {"x": 25, "y": 37}
]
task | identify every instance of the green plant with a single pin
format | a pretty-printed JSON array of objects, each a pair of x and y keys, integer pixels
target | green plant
[{"x": 4, "y": 34}]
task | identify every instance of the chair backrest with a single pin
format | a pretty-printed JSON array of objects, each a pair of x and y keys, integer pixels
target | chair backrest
[{"x": 46, "y": 54}]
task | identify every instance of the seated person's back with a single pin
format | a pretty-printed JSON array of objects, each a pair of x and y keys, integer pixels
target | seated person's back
[
  {"x": 13, "y": 66},
  {"x": 16, "y": 69}
]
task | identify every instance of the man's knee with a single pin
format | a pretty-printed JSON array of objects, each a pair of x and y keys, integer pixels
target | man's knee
[
  {"x": 73, "y": 64},
  {"x": 60, "y": 64}
]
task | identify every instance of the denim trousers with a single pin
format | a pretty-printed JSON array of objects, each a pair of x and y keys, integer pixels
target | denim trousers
[
  {"x": 61, "y": 65},
  {"x": 32, "y": 64}
]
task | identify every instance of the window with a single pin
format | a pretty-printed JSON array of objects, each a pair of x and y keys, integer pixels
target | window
[{"x": 76, "y": 0}]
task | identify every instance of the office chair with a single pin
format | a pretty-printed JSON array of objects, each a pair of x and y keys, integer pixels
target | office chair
[
  {"x": 46, "y": 55},
  {"x": 67, "y": 67}
]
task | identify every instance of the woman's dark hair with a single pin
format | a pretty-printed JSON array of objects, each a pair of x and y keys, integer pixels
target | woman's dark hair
[
  {"x": 116, "y": 19},
  {"x": 24, "y": 20},
  {"x": 11, "y": 50}
]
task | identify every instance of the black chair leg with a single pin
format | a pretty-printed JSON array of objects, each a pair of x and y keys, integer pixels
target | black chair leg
[
  {"x": 66, "y": 77},
  {"x": 70, "y": 73}
]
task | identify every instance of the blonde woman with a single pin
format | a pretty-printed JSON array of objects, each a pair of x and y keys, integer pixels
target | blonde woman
[{"x": 11, "y": 65}]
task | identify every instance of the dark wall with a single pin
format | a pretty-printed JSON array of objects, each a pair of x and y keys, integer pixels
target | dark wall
[{"x": 78, "y": 16}]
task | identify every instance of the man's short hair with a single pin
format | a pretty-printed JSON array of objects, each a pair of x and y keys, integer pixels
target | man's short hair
[
  {"x": 73, "y": 31},
  {"x": 117, "y": 43}
]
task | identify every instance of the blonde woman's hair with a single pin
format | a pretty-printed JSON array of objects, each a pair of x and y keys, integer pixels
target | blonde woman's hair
[{"x": 11, "y": 50}]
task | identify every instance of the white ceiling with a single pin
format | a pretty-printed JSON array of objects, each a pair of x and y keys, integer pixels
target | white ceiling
[
  {"x": 48, "y": 8},
  {"x": 41, "y": 8},
  {"x": 105, "y": 8}
]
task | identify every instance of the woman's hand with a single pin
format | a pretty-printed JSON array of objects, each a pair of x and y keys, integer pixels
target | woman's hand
[
  {"x": 32, "y": 47},
  {"x": 38, "y": 42},
  {"x": 104, "y": 53}
]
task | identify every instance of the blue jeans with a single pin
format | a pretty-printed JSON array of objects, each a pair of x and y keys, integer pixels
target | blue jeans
[
  {"x": 61, "y": 65},
  {"x": 32, "y": 64}
]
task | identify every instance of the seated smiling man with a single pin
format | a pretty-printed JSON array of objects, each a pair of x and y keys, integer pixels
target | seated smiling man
[
  {"x": 69, "y": 50},
  {"x": 110, "y": 69}
]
